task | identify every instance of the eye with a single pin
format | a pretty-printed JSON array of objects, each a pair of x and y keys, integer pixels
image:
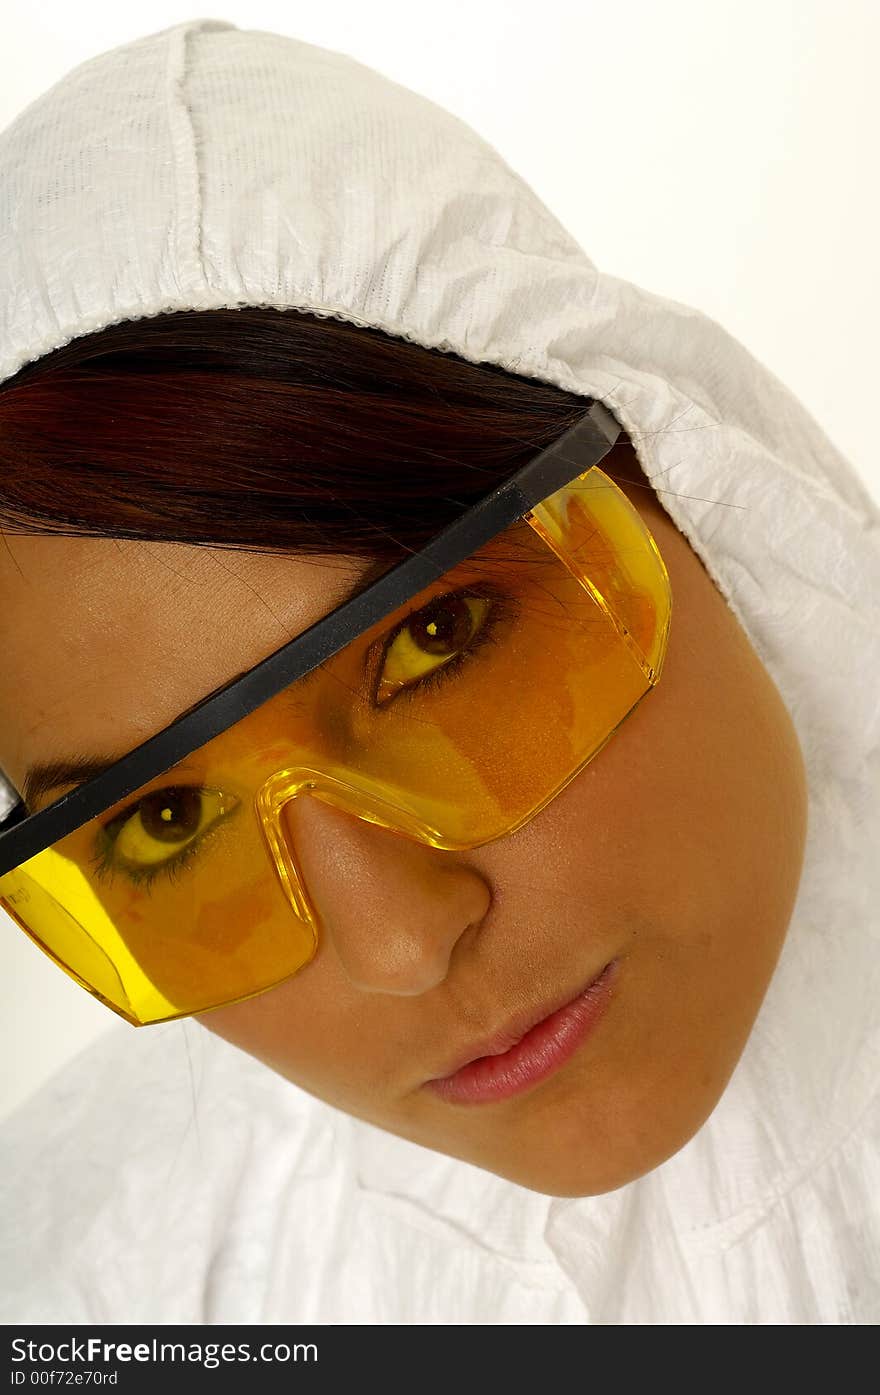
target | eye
[
  {"x": 154, "y": 834},
  {"x": 430, "y": 639}
]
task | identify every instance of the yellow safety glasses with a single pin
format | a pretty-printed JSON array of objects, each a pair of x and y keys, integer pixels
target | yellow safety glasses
[{"x": 449, "y": 702}]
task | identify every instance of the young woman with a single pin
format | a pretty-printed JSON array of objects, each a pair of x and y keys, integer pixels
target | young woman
[{"x": 477, "y": 939}]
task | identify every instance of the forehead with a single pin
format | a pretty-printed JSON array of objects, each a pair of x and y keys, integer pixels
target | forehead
[{"x": 104, "y": 642}]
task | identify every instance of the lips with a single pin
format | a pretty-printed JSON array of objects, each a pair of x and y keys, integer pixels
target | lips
[{"x": 530, "y": 1047}]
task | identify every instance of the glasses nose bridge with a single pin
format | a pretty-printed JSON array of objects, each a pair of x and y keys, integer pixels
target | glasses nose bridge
[
  {"x": 272, "y": 796},
  {"x": 362, "y": 798},
  {"x": 293, "y": 781}
]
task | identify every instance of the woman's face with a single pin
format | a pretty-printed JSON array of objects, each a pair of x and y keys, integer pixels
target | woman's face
[{"x": 676, "y": 851}]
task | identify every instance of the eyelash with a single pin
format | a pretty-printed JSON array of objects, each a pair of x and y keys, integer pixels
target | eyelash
[
  {"x": 503, "y": 609},
  {"x": 104, "y": 867}
]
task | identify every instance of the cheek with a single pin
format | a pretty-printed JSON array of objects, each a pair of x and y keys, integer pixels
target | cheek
[
  {"x": 675, "y": 852},
  {"x": 278, "y": 1026},
  {"x": 680, "y": 846},
  {"x": 311, "y": 1030}
]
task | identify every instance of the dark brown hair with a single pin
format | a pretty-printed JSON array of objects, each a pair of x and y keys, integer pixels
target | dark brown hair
[{"x": 264, "y": 429}]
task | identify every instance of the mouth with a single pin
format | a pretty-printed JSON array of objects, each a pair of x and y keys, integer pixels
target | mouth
[{"x": 529, "y": 1049}]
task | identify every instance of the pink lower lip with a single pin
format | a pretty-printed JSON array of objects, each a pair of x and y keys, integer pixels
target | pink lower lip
[{"x": 538, "y": 1054}]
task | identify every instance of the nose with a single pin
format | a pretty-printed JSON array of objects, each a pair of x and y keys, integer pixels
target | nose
[{"x": 393, "y": 909}]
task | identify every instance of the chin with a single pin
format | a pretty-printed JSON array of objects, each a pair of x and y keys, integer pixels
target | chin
[
  {"x": 580, "y": 1165},
  {"x": 565, "y": 1178}
]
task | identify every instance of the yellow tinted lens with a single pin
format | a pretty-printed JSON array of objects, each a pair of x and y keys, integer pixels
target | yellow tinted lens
[{"x": 453, "y": 721}]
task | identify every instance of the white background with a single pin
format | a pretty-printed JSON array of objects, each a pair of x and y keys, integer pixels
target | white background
[{"x": 722, "y": 153}]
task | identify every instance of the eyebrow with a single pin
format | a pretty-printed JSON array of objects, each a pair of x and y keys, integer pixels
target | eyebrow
[{"x": 46, "y": 776}]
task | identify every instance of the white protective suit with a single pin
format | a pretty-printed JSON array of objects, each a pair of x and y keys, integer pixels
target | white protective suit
[{"x": 165, "y": 1176}]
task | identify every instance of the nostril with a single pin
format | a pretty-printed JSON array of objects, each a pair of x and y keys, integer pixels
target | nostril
[{"x": 392, "y": 908}]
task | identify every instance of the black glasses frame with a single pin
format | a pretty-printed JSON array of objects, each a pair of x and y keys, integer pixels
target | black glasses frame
[{"x": 581, "y": 447}]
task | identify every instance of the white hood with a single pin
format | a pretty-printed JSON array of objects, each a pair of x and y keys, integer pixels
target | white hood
[{"x": 407, "y": 221}]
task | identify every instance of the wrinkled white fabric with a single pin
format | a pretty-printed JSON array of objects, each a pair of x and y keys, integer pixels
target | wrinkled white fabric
[{"x": 164, "y": 1176}]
